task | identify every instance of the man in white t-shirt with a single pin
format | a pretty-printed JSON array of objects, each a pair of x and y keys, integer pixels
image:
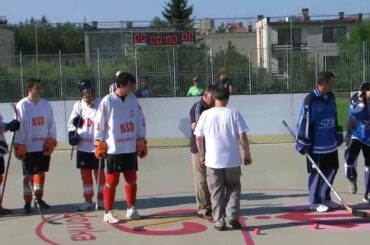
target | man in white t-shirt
[{"x": 222, "y": 129}]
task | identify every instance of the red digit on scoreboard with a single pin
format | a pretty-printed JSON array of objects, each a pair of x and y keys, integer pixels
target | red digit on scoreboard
[
  {"x": 174, "y": 39},
  {"x": 153, "y": 40},
  {"x": 140, "y": 38},
  {"x": 168, "y": 40},
  {"x": 159, "y": 40}
]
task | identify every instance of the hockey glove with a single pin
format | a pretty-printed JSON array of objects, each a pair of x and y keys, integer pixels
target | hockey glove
[
  {"x": 101, "y": 149},
  {"x": 20, "y": 151},
  {"x": 12, "y": 126},
  {"x": 3, "y": 147},
  {"x": 339, "y": 136},
  {"x": 73, "y": 138},
  {"x": 302, "y": 146},
  {"x": 141, "y": 148},
  {"x": 78, "y": 122},
  {"x": 49, "y": 146}
]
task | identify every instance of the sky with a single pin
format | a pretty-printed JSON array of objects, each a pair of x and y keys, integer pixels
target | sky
[{"x": 145, "y": 10}]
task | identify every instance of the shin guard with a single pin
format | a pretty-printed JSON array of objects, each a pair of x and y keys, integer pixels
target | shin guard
[
  {"x": 130, "y": 187},
  {"x": 27, "y": 192},
  {"x": 38, "y": 184},
  {"x": 110, "y": 190}
]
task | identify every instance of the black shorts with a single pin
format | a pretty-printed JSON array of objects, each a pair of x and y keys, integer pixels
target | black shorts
[
  {"x": 324, "y": 161},
  {"x": 87, "y": 160},
  {"x": 35, "y": 162},
  {"x": 121, "y": 162},
  {"x": 355, "y": 146},
  {"x": 2, "y": 165}
]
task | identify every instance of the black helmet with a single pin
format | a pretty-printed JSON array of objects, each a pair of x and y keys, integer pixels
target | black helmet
[
  {"x": 365, "y": 86},
  {"x": 84, "y": 85}
]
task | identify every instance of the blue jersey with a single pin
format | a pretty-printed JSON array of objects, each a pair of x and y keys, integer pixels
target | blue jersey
[
  {"x": 359, "y": 118},
  {"x": 318, "y": 122}
]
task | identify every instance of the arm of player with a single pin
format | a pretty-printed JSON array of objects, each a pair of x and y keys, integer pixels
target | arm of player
[
  {"x": 199, "y": 140},
  {"x": 244, "y": 142},
  {"x": 75, "y": 113},
  {"x": 101, "y": 122},
  {"x": 20, "y": 136}
]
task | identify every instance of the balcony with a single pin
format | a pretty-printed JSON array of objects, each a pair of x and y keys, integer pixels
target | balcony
[{"x": 279, "y": 47}]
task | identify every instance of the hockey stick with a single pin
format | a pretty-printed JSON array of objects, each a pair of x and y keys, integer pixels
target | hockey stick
[
  {"x": 79, "y": 120},
  {"x": 352, "y": 211},
  {"x": 9, "y": 157},
  {"x": 101, "y": 161}
]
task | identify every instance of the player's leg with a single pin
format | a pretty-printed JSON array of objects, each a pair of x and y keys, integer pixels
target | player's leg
[
  {"x": 314, "y": 200},
  {"x": 202, "y": 195},
  {"x": 366, "y": 153},
  {"x": 130, "y": 193},
  {"x": 351, "y": 153},
  {"x": 27, "y": 184},
  {"x": 329, "y": 164},
  {"x": 216, "y": 186},
  {"x": 233, "y": 190},
  {"x": 88, "y": 189},
  {"x": 43, "y": 163},
  {"x": 3, "y": 211},
  {"x": 109, "y": 192},
  {"x": 101, "y": 182}
]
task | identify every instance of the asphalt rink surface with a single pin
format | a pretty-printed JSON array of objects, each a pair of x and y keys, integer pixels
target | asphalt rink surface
[{"x": 273, "y": 200}]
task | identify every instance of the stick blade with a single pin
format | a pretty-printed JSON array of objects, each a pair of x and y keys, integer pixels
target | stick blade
[{"x": 359, "y": 213}]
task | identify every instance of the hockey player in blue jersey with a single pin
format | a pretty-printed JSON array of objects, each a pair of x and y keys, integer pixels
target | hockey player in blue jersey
[
  {"x": 319, "y": 135},
  {"x": 358, "y": 138}
]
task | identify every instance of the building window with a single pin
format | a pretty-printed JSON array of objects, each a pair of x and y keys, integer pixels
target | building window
[
  {"x": 333, "y": 34},
  {"x": 330, "y": 62},
  {"x": 284, "y": 36}
]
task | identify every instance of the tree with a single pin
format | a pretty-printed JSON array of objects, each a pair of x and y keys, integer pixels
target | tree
[
  {"x": 177, "y": 13},
  {"x": 158, "y": 23},
  {"x": 353, "y": 59}
]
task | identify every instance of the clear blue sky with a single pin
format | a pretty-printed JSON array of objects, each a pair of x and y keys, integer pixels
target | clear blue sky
[{"x": 117, "y": 10}]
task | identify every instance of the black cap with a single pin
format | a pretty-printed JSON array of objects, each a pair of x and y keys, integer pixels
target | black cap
[{"x": 84, "y": 85}]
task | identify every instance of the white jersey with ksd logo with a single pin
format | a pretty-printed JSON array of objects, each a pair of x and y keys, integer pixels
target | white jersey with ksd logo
[
  {"x": 88, "y": 114},
  {"x": 36, "y": 124},
  {"x": 120, "y": 122}
]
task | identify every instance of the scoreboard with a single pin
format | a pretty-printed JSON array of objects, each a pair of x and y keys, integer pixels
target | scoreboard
[{"x": 163, "y": 38}]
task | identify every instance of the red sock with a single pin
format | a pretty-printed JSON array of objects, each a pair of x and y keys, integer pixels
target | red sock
[
  {"x": 130, "y": 187},
  {"x": 87, "y": 183},
  {"x": 38, "y": 183},
  {"x": 101, "y": 182},
  {"x": 110, "y": 190}
]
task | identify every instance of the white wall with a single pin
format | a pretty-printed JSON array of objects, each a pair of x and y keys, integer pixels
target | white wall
[{"x": 169, "y": 117}]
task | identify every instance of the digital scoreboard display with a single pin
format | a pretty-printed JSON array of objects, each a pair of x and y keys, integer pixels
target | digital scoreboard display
[{"x": 163, "y": 38}]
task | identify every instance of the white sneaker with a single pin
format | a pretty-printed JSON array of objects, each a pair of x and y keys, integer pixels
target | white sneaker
[
  {"x": 132, "y": 213},
  {"x": 330, "y": 204},
  {"x": 110, "y": 218},
  {"x": 100, "y": 204},
  {"x": 319, "y": 208},
  {"x": 87, "y": 205},
  {"x": 366, "y": 199}
]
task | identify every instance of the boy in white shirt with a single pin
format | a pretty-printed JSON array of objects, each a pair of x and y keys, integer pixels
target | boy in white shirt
[
  {"x": 35, "y": 142},
  {"x": 222, "y": 128}
]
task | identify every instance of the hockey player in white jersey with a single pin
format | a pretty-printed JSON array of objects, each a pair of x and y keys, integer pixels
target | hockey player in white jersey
[
  {"x": 4, "y": 127},
  {"x": 35, "y": 142},
  {"x": 81, "y": 128},
  {"x": 120, "y": 137}
]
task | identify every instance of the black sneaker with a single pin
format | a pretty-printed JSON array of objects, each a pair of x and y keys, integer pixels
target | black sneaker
[
  {"x": 5, "y": 211},
  {"x": 43, "y": 204},
  {"x": 27, "y": 208},
  {"x": 235, "y": 224},
  {"x": 220, "y": 227}
]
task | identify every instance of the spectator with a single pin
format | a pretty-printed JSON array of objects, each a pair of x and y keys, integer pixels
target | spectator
[
  {"x": 195, "y": 90},
  {"x": 144, "y": 90},
  {"x": 224, "y": 80}
]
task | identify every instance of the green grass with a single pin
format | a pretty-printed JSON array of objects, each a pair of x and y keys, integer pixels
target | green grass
[{"x": 342, "y": 110}]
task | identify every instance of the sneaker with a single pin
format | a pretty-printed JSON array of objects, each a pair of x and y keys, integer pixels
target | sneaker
[
  {"x": 235, "y": 224},
  {"x": 132, "y": 213},
  {"x": 43, "y": 204},
  {"x": 331, "y": 205},
  {"x": 353, "y": 186},
  {"x": 87, "y": 205},
  {"x": 5, "y": 211},
  {"x": 220, "y": 227},
  {"x": 319, "y": 208},
  {"x": 27, "y": 208},
  {"x": 366, "y": 199},
  {"x": 100, "y": 204},
  {"x": 110, "y": 218},
  {"x": 206, "y": 215}
]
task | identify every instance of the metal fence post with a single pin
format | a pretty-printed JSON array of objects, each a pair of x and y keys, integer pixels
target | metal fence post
[
  {"x": 98, "y": 64},
  {"x": 37, "y": 52},
  {"x": 249, "y": 71},
  {"x": 174, "y": 71},
  {"x": 61, "y": 75},
  {"x": 363, "y": 62},
  {"x": 22, "y": 78},
  {"x": 136, "y": 69}
]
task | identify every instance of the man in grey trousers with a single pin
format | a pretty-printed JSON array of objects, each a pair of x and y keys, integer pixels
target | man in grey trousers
[{"x": 222, "y": 128}]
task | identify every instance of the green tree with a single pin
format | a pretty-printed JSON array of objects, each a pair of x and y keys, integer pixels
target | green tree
[
  {"x": 158, "y": 23},
  {"x": 177, "y": 13},
  {"x": 353, "y": 60}
]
